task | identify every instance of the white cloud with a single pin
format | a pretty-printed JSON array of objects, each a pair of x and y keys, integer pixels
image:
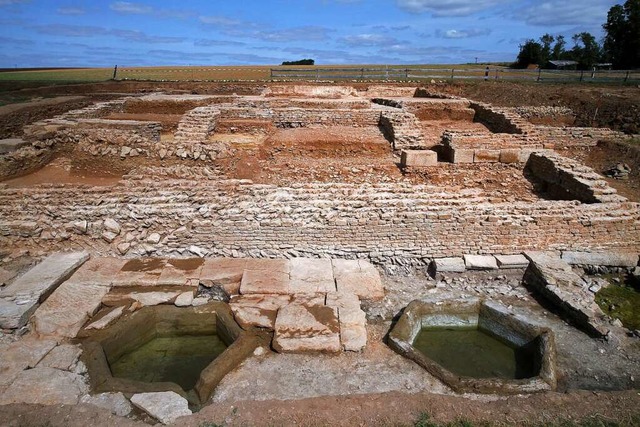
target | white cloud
[
  {"x": 463, "y": 34},
  {"x": 12, "y": 2},
  {"x": 126, "y": 7},
  {"x": 448, "y": 7},
  {"x": 562, "y": 12},
  {"x": 368, "y": 40}
]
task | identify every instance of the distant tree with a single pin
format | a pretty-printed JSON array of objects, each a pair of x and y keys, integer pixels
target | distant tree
[
  {"x": 530, "y": 53},
  {"x": 546, "y": 41},
  {"x": 622, "y": 38},
  {"x": 558, "y": 51},
  {"x": 586, "y": 50},
  {"x": 300, "y": 62}
]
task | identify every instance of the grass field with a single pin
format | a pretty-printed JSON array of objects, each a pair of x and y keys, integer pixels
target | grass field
[{"x": 322, "y": 72}]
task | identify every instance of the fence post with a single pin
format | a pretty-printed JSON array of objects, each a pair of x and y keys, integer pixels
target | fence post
[
  {"x": 115, "y": 72},
  {"x": 452, "y": 71},
  {"x": 361, "y": 73},
  {"x": 581, "y": 75},
  {"x": 486, "y": 74},
  {"x": 497, "y": 73},
  {"x": 317, "y": 74},
  {"x": 406, "y": 73},
  {"x": 386, "y": 72},
  {"x": 626, "y": 77},
  {"x": 539, "y": 74}
]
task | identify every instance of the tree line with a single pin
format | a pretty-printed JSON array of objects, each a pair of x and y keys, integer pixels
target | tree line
[{"x": 620, "y": 46}]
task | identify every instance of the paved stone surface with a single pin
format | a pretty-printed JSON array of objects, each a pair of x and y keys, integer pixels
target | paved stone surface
[
  {"x": 45, "y": 386},
  {"x": 20, "y": 299},
  {"x": 272, "y": 279},
  {"x": 301, "y": 328},
  {"x": 358, "y": 277},
  {"x": 609, "y": 258},
  {"x": 448, "y": 265},
  {"x": 46, "y": 276},
  {"x": 554, "y": 279},
  {"x": 480, "y": 262},
  {"x": 21, "y": 355},
  {"x": 62, "y": 357},
  {"x": 140, "y": 272},
  {"x": 257, "y": 310},
  {"x": 114, "y": 402},
  {"x": 353, "y": 333},
  {"x": 165, "y": 407},
  {"x": 224, "y": 272},
  {"x": 107, "y": 319},
  {"x": 311, "y": 275},
  {"x": 68, "y": 308},
  {"x": 512, "y": 261},
  {"x": 181, "y": 272},
  {"x": 98, "y": 271}
]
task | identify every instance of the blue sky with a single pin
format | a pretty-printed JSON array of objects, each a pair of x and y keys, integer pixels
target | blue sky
[{"x": 37, "y": 33}]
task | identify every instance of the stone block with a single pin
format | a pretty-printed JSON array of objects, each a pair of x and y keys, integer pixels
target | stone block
[
  {"x": 155, "y": 298},
  {"x": 265, "y": 282},
  {"x": 12, "y": 144},
  {"x": 486, "y": 156},
  {"x": 165, "y": 406},
  {"x": 140, "y": 272},
  {"x": 107, "y": 319},
  {"x": 609, "y": 259},
  {"x": 510, "y": 155},
  {"x": 68, "y": 308},
  {"x": 62, "y": 357},
  {"x": 20, "y": 355},
  {"x": 358, "y": 277},
  {"x": 301, "y": 328},
  {"x": 512, "y": 261},
  {"x": 311, "y": 276},
  {"x": 184, "y": 299},
  {"x": 448, "y": 265},
  {"x": 224, "y": 272},
  {"x": 462, "y": 155},
  {"x": 114, "y": 402},
  {"x": 418, "y": 158},
  {"x": 46, "y": 276},
  {"x": 98, "y": 271},
  {"x": 45, "y": 386},
  {"x": 15, "y": 312},
  {"x": 480, "y": 262},
  {"x": 353, "y": 337},
  {"x": 181, "y": 271},
  {"x": 257, "y": 310}
]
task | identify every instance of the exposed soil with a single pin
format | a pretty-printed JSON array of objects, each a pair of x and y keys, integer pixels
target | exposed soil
[
  {"x": 63, "y": 171},
  {"x": 616, "y": 107},
  {"x": 169, "y": 121},
  {"x": 607, "y": 154}
]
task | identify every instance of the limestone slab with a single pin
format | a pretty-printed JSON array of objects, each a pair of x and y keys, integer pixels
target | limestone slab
[
  {"x": 11, "y": 144},
  {"x": 609, "y": 258},
  {"x": 462, "y": 155},
  {"x": 448, "y": 265},
  {"x": 62, "y": 357},
  {"x": 184, "y": 299},
  {"x": 98, "y": 271},
  {"x": 107, "y": 319},
  {"x": 480, "y": 262},
  {"x": 510, "y": 155},
  {"x": 166, "y": 406},
  {"x": 353, "y": 337},
  {"x": 154, "y": 298},
  {"x": 257, "y": 310},
  {"x": 114, "y": 402},
  {"x": 68, "y": 308},
  {"x": 45, "y": 386},
  {"x": 46, "y": 276},
  {"x": 512, "y": 261},
  {"x": 21, "y": 355},
  {"x": 418, "y": 158},
  {"x": 301, "y": 328},
  {"x": 365, "y": 281},
  {"x": 140, "y": 272},
  {"x": 265, "y": 282},
  {"x": 309, "y": 275},
  {"x": 224, "y": 272},
  {"x": 15, "y": 313},
  {"x": 181, "y": 271},
  {"x": 486, "y": 156}
]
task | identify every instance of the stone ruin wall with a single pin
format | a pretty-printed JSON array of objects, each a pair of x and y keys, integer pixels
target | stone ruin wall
[{"x": 384, "y": 223}]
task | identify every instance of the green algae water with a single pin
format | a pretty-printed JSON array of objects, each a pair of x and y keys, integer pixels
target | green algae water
[
  {"x": 177, "y": 359},
  {"x": 475, "y": 353}
]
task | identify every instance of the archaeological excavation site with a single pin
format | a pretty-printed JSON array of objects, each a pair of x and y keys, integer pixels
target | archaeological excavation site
[{"x": 316, "y": 254}]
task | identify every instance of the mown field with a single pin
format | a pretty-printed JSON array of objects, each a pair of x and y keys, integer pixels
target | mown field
[{"x": 425, "y": 72}]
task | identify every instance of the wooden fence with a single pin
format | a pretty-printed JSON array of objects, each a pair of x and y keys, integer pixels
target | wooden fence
[{"x": 396, "y": 73}]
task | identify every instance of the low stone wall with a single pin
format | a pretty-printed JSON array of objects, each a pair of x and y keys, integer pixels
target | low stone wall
[
  {"x": 577, "y": 136},
  {"x": 567, "y": 179},
  {"x": 499, "y": 121},
  {"x": 431, "y": 109},
  {"x": 476, "y": 147},
  {"x": 385, "y": 223}
]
